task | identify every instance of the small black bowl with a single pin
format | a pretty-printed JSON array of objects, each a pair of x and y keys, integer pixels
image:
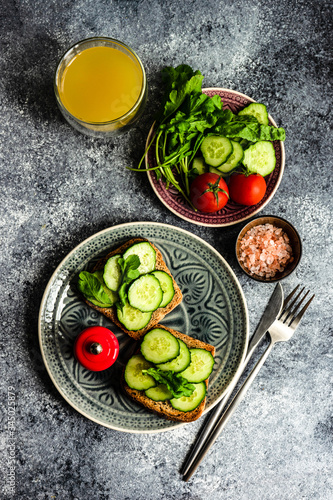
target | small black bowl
[{"x": 294, "y": 240}]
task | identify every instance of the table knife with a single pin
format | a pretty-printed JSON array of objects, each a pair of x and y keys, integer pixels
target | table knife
[{"x": 270, "y": 314}]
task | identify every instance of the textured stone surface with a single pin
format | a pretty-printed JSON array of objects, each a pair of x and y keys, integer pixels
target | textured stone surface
[{"x": 59, "y": 187}]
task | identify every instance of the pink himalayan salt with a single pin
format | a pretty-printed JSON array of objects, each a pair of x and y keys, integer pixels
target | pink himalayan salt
[{"x": 265, "y": 250}]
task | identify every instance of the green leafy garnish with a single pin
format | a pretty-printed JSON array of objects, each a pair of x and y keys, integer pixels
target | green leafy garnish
[
  {"x": 247, "y": 127},
  {"x": 90, "y": 286},
  {"x": 268, "y": 133},
  {"x": 179, "y": 82},
  {"x": 129, "y": 270},
  {"x": 177, "y": 385}
]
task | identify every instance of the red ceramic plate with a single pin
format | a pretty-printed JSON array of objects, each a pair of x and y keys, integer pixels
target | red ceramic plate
[{"x": 232, "y": 213}]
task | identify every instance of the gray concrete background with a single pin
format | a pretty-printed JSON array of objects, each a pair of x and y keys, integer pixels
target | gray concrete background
[{"x": 59, "y": 187}]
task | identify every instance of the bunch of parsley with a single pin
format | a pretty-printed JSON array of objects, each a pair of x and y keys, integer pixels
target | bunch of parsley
[{"x": 187, "y": 116}]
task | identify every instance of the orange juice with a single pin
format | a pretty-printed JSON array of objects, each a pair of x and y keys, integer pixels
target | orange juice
[{"x": 100, "y": 84}]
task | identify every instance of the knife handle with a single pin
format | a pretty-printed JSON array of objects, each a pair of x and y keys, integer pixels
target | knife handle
[
  {"x": 214, "y": 416},
  {"x": 227, "y": 414}
]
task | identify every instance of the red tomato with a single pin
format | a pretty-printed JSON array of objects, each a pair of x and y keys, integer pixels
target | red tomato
[
  {"x": 209, "y": 193},
  {"x": 247, "y": 189}
]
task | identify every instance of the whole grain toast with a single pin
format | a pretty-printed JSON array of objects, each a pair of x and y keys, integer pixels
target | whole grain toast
[
  {"x": 158, "y": 315},
  {"x": 164, "y": 408}
]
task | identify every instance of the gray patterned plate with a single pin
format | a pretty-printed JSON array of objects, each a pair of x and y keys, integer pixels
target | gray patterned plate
[{"x": 213, "y": 310}]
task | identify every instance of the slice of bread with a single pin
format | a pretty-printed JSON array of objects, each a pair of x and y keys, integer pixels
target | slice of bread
[
  {"x": 157, "y": 315},
  {"x": 164, "y": 408}
]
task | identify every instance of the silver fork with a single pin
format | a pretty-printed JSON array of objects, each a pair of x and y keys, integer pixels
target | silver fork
[{"x": 281, "y": 330}]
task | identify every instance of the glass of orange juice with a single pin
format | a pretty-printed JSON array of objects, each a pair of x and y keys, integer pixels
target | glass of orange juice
[{"x": 100, "y": 86}]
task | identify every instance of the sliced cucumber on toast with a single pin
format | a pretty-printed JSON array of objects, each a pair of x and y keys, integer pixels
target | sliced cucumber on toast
[
  {"x": 133, "y": 375},
  {"x": 201, "y": 366},
  {"x": 159, "y": 346},
  {"x": 146, "y": 254},
  {"x": 180, "y": 382},
  {"x": 145, "y": 293},
  {"x": 166, "y": 283},
  {"x": 112, "y": 273},
  {"x": 190, "y": 403},
  {"x": 132, "y": 318},
  {"x": 181, "y": 362},
  {"x": 158, "y": 393}
]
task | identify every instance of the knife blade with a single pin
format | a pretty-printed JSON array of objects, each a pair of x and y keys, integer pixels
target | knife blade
[{"x": 271, "y": 312}]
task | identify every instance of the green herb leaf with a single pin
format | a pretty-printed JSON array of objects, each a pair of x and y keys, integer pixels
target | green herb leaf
[
  {"x": 185, "y": 80},
  {"x": 132, "y": 262},
  {"x": 247, "y": 127},
  {"x": 91, "y": 287},
  {"x": 268, "y": 133},
  {"x": 129, "y": 269},
  {"x": 122, "y": 293},
  {"x": 176, "y": 384},
  {"x": 132, "y": 274}
]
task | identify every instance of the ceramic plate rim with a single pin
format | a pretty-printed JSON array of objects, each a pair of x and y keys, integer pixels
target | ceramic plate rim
[
  {"x": 207, "y": 224},
  {"x": 49, "y": 287}
]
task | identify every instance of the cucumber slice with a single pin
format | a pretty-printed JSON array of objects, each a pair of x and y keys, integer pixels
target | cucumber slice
[
  {"x": 259, "y": 111},
  {"x": 145, "y": 293},
  {"x": 234, "y": 159},
  {"x": 158, "y": 393},
  {"x": 181, "y": 362},
  {"x": 191, "y": 402},
  {"x": 112, "y": 273},
  {"x": 146, "y": 254},
  {"x": 201, "y": 366},
  {"x": 166, "y": 285},
  {"x": 134, "y": 377},
  {"x": 260, "y": 158},
  {"x": 159, "y": 346},
  {"x": 214, "y": 170},
  {"x": 199, "y": 165},
  {"x": 132, "y": 318},
  {"x": 216, "y": 149}
]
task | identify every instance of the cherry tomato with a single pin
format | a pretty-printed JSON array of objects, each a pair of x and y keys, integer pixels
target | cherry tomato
[
  {"x": 247, "y": 189},
  {"x": 209, "y": 192}
]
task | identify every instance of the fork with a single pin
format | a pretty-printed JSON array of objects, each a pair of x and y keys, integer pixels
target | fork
[{"x": 281, "y": 330}]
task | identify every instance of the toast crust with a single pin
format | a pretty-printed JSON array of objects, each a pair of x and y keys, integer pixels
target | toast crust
[
  {"x": 158, "y": 315},
  {"x": 164, "y": 408}
]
